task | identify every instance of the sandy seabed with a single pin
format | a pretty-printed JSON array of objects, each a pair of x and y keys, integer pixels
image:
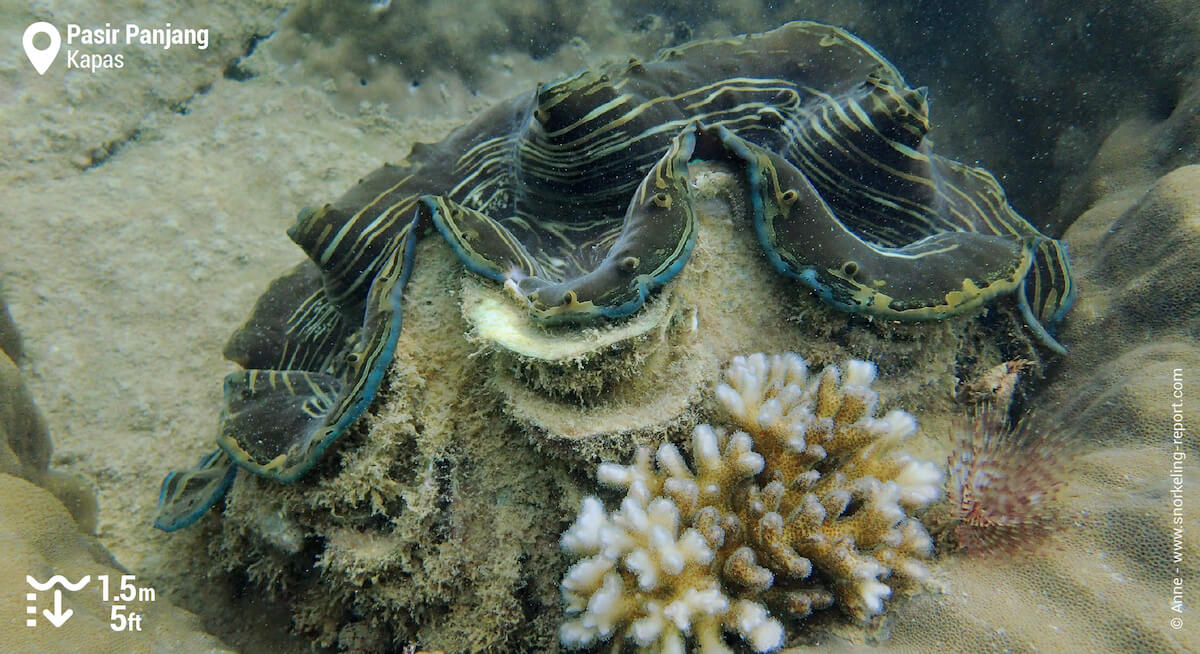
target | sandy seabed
[{"x": 145, "y": 211}]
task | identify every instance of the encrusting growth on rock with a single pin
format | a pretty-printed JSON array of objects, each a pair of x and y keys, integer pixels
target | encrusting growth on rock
[
  {"x": 997, "y": 385},
  {"x": 812, "y": 483}
]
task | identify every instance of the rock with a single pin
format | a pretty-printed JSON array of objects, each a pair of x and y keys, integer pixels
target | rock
[
  {"x": 25, "y": 444},
  {"x": 10, "y": 338},
  {"x": 41, "y": 539}
]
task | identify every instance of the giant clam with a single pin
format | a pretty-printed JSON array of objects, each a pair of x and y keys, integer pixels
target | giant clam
[{"x": 576, "y": 197}]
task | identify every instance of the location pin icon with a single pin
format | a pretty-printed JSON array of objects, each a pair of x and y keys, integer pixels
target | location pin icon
[{"x": 41, "y": 59}]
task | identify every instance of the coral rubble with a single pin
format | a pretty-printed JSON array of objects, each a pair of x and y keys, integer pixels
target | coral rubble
[{"x": 810, "y": 506}]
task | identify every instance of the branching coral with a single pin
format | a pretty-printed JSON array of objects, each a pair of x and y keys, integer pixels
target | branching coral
[{"x": 808, "y": 506}]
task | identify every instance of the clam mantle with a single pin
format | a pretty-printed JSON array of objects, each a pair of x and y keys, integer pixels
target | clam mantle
[{"x": 576, "y": 197}]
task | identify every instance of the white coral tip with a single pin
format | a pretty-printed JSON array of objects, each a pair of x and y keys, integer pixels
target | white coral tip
[
  {"x": 684, "y": 491},
  {"x": 914, "y": 570},
  {"x": 632, "y": 515},
  {"x": 663, "y": 545},
  {"x": 586, "y": 576},
  {"x": 869, "y": 570},
  {"x": 756, "y": 627},
  {"x": 914, "y": 539},
  {"x": 762, "y": 632},
  {"x": 604, "y": 610},
  {"x": 639, "y": 492},
  {"x": 584, "y": 536},
  {"x": 755, "y": 363},
  {"x": 900, "y": 424},
  {"x": 575, "y": 635},
  {"x": 705, "y": 449},
  {"x": 767, "y": 637},
  {"x": 750, "y": 464},
  {"x": 647, "y": 630},
  {"x": 741, "y": 453},
  {"x": 731, "y": 400},
  {"x": 694, "y": 547},
  {"x": 859, "y": 373},
  {"x": 797, "y": 368},
  {"x": 695, "y": 602},
  {"x": 872, "y": 594},
  {"x": 790, "y": 398},
  {"x": 663, "y": 512},
  {"x": 770, "y": 414},
  {"x": 920, "y": 482},
  {"x": 642, "y": 564},
  {"x": 886, "y": 502},
  {"x": 672, "y": 643},
  {"x": 670, "y": 460},
  {"x": 611, "y": 474}
]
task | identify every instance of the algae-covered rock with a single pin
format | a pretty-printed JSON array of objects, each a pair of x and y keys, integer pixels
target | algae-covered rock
[
  {"x": 1138, "y": 318},
  {"x": 41, "y": 539}
]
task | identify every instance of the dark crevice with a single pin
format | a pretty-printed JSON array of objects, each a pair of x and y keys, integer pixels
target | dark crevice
[
  {"x": 181, "y": 106},
  {"x": 234, "y": 70},
  {"x": 102, "y": 153}
]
